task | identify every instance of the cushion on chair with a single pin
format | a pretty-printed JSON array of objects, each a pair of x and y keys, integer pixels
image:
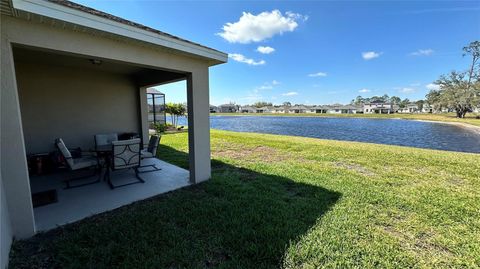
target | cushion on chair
[
  {"x": 146, "y": 154},
  {"x": 126, "y": 153},
  {"x": 64, "y": 150},
  {"x": 84, "y": 162}
]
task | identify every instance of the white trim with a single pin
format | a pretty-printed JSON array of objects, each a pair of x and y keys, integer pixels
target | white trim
[{"x": 63, "y": 13}]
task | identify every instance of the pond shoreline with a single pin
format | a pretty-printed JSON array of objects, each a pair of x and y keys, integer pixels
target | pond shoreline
[{"x": 459, "y": 124}]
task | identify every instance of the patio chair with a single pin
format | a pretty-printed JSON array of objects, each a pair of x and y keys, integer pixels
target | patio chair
[
  {"x": 126, "y": 155},
  {"x": 81, "y": 163},
  {"x": 151, "y": 152},
  {"x": 105, "y": 139}
]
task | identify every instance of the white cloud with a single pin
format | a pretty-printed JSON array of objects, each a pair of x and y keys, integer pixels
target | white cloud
[
  {"x": 364, "y": 90},
  {"x": 265, "y": 50},
  {"x": 432, "y": 86},
  {"x": 407, "y": 90},
  {"x": 422, "y": 52},
  {"x": 369, "y": 55},
  {"x": 318, "y": 74},
  {"x": 255, "y": 28},
  {"x": 242, "y": 59},
  {"x": 267, "y": 85},
  {"x": 290, "y": 93}
]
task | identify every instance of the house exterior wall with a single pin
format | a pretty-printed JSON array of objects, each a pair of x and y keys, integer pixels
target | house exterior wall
[
  {"x": 46, "y": 35},
  {"x": 73, "y": 104},
  {"x": 14, "y": 172}
]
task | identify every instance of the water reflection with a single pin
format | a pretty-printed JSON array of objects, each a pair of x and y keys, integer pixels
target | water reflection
[{"x": 383, "y": 131}]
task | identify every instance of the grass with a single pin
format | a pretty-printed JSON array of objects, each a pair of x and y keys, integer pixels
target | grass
[
  {"x": 291, "y": 202},
  {"x": 471, "y": 118}
]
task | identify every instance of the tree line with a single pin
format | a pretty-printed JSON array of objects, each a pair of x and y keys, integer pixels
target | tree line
[{"x": 459, "y": 90}]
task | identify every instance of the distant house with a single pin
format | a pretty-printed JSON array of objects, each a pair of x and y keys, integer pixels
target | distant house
[
  {"x": 248, "y": 109},
  {"x": 343, "y": 109},
  {"x": 228, "y": 108},
  {"x": 379, "y": 108},
  {"x": 265, "y": 109},
  {"x": 317, "y": 109},
  {"x": 409, "y": 108},
  {"x": 427, "y": 108},
  {"x": 278, "y": 109},
  {"x": 297, "y": 109},
  {"x": 214, "y": 109}
]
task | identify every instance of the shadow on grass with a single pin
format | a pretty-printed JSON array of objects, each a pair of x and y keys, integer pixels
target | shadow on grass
[{"x": 239, "y": 219}]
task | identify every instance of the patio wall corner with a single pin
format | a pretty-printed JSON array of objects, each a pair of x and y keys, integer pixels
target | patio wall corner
[{"x": 13, "y": 164}]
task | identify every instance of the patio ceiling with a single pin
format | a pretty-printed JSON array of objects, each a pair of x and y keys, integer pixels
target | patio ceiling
[{"x": 142, "y": 75}]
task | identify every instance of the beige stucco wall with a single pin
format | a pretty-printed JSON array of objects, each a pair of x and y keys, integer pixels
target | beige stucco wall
[
  {"x": 73, "y": 104},
  {"x": 13, "y": 165}
]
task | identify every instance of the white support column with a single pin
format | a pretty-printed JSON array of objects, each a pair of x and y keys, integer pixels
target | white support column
[
  {"x": 13, "y": 162},
  {"x": 199, "y": 125},
  {"x": 143, "y": 113}
]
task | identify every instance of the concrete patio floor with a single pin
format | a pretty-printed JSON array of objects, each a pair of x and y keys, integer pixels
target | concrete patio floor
[{"x": 78, "y": 203}]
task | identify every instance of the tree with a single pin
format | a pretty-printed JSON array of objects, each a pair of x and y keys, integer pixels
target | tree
[
  {"x": 287, "y": 104},
  {"x": 459, "y": 91},
  {"x": 419, "y": 104},
  {"x": 261, "y": 104},
  {"x": 404, "y": 103},
  {"x": 175, "y": 111},
  {"x": 455, "y": 93},
  {"x": 358, "y": 101},
  {"x": 385, "y": 98},
  {"x": 433, "y": 100},
  {"x": 395, "y": 100}
]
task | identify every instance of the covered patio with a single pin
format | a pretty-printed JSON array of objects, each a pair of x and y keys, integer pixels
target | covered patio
[
  {"x": 71, "y": 72},
  {"x": 77, "y": 203},
  {"x": 73, "y": 97}
]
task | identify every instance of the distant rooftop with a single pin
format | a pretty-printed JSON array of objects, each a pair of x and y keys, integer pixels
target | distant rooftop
[{"x": 153, "y": 91}]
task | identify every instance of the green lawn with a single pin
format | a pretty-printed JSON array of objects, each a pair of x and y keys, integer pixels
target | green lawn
[
  {"x": 291, "y": 202},
  {"x": 471, "y": 118}
]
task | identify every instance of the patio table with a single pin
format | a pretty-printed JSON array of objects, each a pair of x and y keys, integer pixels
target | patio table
[{"x": 104, "y": 152}]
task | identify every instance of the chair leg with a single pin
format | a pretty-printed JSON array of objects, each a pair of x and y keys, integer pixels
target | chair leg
[
  {"x": 69, "y": 186},
  {"x": 155, "y": 168},
  {"x": 109, "y": 179},
  {"x": 138, "y": 176},
  {"x": 140, "y": 180}
]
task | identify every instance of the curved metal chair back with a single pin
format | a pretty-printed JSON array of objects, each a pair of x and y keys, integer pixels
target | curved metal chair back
[{"x": 126, "y": 154}]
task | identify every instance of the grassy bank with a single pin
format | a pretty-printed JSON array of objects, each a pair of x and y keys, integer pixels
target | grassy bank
[
  {"x": 278, "y": 201},
  {"x": 445, "y": 117}
]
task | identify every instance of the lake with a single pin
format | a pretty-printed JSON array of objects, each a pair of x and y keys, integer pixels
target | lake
[{"x": 410, "y": 133}]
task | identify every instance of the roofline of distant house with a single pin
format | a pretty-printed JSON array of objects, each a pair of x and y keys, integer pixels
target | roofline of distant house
[{"x": 81, "y": 15}]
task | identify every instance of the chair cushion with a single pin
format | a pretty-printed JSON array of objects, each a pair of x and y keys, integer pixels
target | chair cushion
[
  {"x": 146, "y": 154},
  {"x": 84, "y": 162},
  {"x": 64, "y": 150}
]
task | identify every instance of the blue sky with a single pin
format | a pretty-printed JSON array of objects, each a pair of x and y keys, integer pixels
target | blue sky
[{"x": 324, "y": 51}]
